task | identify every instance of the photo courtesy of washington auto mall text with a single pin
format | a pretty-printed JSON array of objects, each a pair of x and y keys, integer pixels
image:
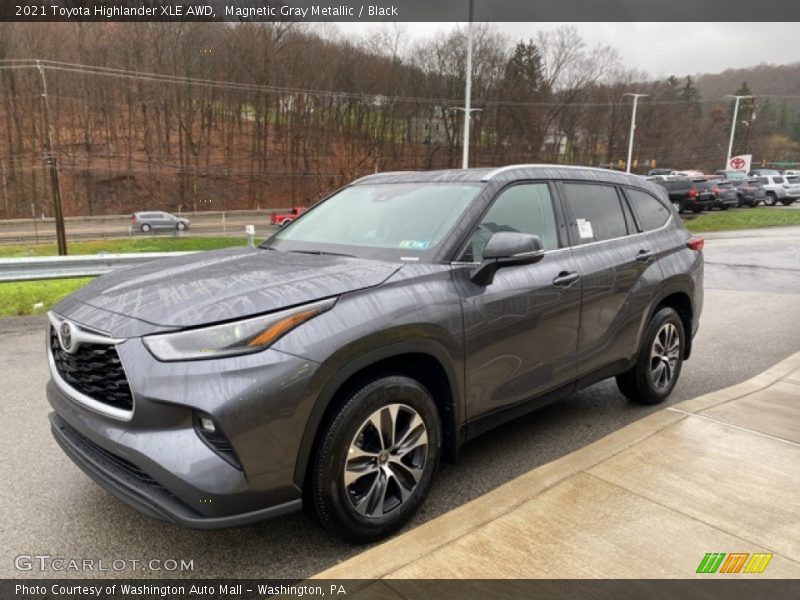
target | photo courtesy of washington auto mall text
[{"x": 399, "y": 299}]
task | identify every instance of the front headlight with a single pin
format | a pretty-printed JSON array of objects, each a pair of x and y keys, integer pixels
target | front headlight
[{"x": 230, "y": 339}]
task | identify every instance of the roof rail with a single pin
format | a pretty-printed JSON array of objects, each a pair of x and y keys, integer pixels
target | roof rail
[{"x": 499, "y": 170}]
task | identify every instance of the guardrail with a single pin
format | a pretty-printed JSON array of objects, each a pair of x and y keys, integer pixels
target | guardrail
[{"x": 66, "y": 267}]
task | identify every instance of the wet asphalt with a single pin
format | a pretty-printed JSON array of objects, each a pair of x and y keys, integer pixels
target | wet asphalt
[{"x": 751, "y": 320}]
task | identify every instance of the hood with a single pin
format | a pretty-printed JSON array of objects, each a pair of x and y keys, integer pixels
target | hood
[{"x": 222, "y": 285}]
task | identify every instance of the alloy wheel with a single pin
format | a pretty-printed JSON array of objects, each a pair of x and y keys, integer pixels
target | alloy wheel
[
  {"x": 664, "y": 355},
  {"x": 386, "y": 460}
]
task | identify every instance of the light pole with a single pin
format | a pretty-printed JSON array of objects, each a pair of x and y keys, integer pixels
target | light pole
[
  {"x": 468, "y": 92},
  {"x": 733, "y": 125},
  {"x": 633, "y": 128}
]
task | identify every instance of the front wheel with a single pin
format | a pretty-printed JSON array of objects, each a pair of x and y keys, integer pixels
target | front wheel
[
  {"x": 771, "y": 200},
  {"x": 146, "y": 228},
  {"x": 787, "y": 201},
  {"x": 376, "y": 460},
  {"x": 181, "y": 226},
  {"x": 659, "y": 362}
]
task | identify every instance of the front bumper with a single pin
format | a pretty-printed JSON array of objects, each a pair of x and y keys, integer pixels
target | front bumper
[
  {"x": 135, "y": 488},
  {"x": 156, "y": 460}
]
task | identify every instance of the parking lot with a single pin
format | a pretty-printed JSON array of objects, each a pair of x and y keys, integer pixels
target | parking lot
[{"x": 751, "y": 320}]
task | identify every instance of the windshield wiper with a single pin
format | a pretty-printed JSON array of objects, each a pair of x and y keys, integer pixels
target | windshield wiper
[{"x": 320, "y": 253}]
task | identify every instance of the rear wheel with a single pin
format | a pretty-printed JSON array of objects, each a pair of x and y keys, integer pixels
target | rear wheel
[
  {"x": 787, "y": 201},
  {"x": 181, "y": 226},
  {"x": 146, "y": 228},
  {"x": 771, "y": 199},
  {"x": 376, "y": 460},
  {"x": 659, "y": 362}
]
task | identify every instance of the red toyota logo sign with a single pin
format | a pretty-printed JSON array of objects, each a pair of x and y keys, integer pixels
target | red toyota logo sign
[{"x": 737, "y": 163}]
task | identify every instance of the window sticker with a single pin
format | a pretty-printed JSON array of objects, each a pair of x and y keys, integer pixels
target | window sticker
[
  {"x": 585, "y": 229},
  {"x": 413, "y": 245}
]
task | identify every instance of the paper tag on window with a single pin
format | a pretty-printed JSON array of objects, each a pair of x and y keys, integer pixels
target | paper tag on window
[{"x": 585, "y": 229}]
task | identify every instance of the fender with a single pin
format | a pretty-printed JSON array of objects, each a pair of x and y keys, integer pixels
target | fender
[
  {"x": 345, "y": 369},
  {"x": 677, "y": 284}
]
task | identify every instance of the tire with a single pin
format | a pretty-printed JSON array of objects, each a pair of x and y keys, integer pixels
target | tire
[
  {"x": 652, "y": 379},
  {"x": 181, "y": 226},
  {"x": 787, "y": 201},
  {"x": 355, "y": 510},
  {"x": 771, "y": 199},
  {"x": 697, "y": 209},
  {"x": 723, "y": 207},
  {"x": 146, "y": 228},
  {"x": 285, "y": 222}
]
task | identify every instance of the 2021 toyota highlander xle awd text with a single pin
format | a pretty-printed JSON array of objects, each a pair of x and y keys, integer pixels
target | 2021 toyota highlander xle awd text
[{"x": 336, "y": 365}]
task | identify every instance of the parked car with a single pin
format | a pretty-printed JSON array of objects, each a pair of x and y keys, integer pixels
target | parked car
[
  {"x": 788, "y": 172},
  {"x": 689, "y": 194},
  {"x": 281, "y": 219},
  {"x": 653, "y": 172},
  {"x": 691, "y": 174},
  {"x": 750, "y": 191},
  {"x": 763, "y": 172},
  {"x": 792, "y": 185},
  {"x": 158, "y": 221},
  {"x": 336, "y": 365},
  {"x": 778, "y": 189},
  {"x": 725, "y": 195}
]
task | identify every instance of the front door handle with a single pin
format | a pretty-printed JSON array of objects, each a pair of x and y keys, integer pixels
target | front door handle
[
  {"x": 645, "y": 255},
  {"x": 566, "y": 278}
]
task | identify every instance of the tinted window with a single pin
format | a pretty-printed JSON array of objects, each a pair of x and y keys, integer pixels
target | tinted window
[
  {"x": 596, "y": 212},
  {"x": 676, "y": 184},
  {"x": 650, "y": 213},
  {"x": 778, "y": 179},
  {"x": 794, "y": 179},
  {"x": 525, "y": 208},
  {"x": 702, "y": 185}
]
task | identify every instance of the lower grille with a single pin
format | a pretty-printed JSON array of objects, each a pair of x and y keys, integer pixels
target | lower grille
[{"x": 94, "y": 370}]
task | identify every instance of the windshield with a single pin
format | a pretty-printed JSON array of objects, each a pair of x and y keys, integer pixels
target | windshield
[{"x": 391, "y": 221}]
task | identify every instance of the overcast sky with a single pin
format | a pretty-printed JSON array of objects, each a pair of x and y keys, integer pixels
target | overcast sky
[{"x": 663, "y": 49}]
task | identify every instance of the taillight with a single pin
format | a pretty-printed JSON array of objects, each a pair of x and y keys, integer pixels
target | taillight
[
  {"x": 693, "y": 193},
  {"x": 695, "y": 243},
  {"x": 717, "y": 191}
]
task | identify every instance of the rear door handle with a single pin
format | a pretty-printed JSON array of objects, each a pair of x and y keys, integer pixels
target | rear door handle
[
  {"x": 566, "y": 278},
  {"x": 645, "y": 255}
]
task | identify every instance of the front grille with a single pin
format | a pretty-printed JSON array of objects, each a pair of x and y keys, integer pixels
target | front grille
[{"x": 94, "y": 370}]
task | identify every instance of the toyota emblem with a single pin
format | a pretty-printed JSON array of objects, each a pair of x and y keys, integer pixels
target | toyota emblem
[{"x": 65, "y": 336}]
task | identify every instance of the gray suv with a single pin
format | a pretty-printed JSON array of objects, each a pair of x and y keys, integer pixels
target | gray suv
[
  {"x": 158, "y": 221},
  {"x": 336, "y": 365}
]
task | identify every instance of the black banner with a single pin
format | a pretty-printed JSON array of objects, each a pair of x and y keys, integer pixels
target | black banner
[
  {"x": 399, "y": 10},
  {"x": 727, "y": 587}
]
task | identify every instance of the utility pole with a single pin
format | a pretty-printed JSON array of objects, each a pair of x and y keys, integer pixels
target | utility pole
[
  {"x": 468, "y": 92},
  {"x": 633, "y": 129},
  {"x": 733, "y": 125},
  {"x": 52, "y": 162}
]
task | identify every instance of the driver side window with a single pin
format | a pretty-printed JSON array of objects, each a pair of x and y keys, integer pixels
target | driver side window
[{"x": 524, "y": 208}]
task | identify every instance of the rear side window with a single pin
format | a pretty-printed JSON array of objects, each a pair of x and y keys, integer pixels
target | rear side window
[
  {"x": 778, "y": 179},
  {"x": 596, "y": 212},
  {"x": 524, "y": 208},
  {"x": 675, "y": 185},
  {"x": 650, "y": 213}
]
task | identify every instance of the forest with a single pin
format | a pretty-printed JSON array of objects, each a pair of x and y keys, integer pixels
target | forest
[{"x": 223, "y": 116}]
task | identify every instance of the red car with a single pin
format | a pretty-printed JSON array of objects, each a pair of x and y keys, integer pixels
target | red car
[{"x": 286, "y": 218}]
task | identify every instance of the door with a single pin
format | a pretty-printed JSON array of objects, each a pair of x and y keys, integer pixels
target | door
[
  {"x": 618, "y": 274},
  {"x": 520, "y": 332}
]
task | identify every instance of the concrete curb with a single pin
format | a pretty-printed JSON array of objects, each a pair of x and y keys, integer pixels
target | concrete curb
[{"x": 388, "y": 557}]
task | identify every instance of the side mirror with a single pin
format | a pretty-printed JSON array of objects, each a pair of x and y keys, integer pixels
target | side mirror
[{"x": 506, "y": 249}]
